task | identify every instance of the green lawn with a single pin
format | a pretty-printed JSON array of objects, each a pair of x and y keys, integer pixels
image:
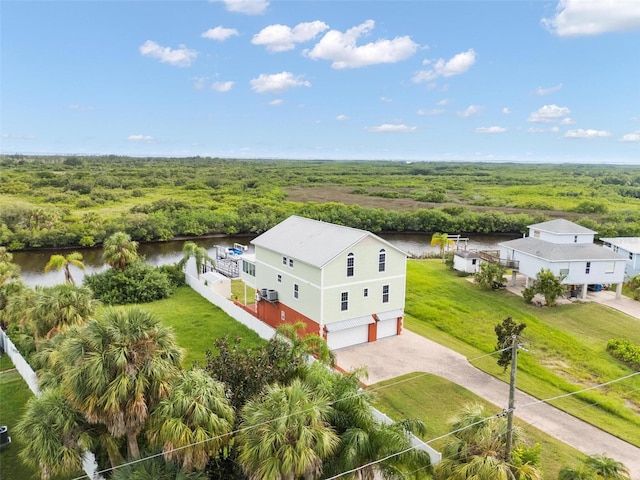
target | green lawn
[
  {"x": 566, "y": 345},
  {"x": 197, "y": 323},
  {"x": 435, "y": 400}
]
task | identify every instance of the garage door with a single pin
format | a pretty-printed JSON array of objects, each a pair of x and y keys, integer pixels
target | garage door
[
  {"x": 348, "y": 337},
  {"x": 388, "y": 328}
]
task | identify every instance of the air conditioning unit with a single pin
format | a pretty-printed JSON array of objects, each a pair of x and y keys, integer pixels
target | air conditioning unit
[{"x": 272, "y": 295}]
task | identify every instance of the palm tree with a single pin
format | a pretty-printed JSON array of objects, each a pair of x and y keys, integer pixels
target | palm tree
[
  {"x": 303, "y": 345},
  {"x": 194, "y": 421},
  {"x": 155, "y": 469},
  {"x": 120, "y": 366},
  {"x": 59, "y": 307},
  {"x": 119, "y": 251},
  {"x": 582, "y": 472},
  {"x": 607, "y": 468},
  {"x": 58, "y": 262},
  {"x": 284, "y": 433},
  {"x": 200, "y": 254},
  {"x": 476, "y": 449},
  {"x": 54, "y": 433},
  {"x": 441, "y": 240}
]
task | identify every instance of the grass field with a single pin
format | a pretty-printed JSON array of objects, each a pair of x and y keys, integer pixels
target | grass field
[
  {"x": 435, "y": 400},
  {"x": 197, "y": 323},
  {"x": 566, "y": 345}
]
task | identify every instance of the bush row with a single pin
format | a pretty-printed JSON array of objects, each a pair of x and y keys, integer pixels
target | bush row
[{"x": 625, "y": 351}]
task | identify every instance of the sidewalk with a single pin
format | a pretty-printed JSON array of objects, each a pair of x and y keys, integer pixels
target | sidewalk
[{"x": 391, "y": 357}]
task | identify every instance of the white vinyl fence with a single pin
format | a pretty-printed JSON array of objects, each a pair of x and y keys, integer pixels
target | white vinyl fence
[{"x": 89, "y": 464}]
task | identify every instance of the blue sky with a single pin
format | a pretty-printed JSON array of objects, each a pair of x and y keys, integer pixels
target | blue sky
[{"x": 510, "y": 80}]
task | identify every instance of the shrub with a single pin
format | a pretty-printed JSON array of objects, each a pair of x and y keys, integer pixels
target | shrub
[
  {"x": 490, "y": 276},
  {"x": 625, "y": 351},
  {"x": 528, "y": 293},
  {"x": 139, "y": 283}
]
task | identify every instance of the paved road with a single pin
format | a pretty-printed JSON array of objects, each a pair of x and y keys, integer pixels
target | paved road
[{"x": 409, "y": 352}]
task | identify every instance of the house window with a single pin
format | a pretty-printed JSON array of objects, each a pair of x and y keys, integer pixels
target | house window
[
  {"x": 382, "y": 260},
  {"x": 474, "y": 261},
  {"x": 344, "y": 301},
  {"x": 536, "y": 234},
  {"x": 284, "y": 260},
  {"x": 249, "y": 268},
  {"x": 365, "y": 292},
  {"x": 385, "y": 294},
  {"x": 291, "y": 263},
  {"x": 575, "y": 239},
  {"x": 279, "y": 278},
  {"x": 588, "y": 269},
  {"x": 350, "y": 264},
  {"x": 630, "y": 255},
  {"x": 296, "y": 290}
]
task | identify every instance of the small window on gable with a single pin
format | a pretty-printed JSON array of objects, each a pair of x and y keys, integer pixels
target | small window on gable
[
  {"x": 382, "y": 260},
  {"x": 575, "y": 239},
  {"x": 350, "y": 264},
  {"x": 365, "y": 292},
  {"x": 291, "y": 263},
  {"x": 344, "y": 301},
  {"x": 630, "y": 255},
  {"x": 284, "y": 260},
  {"x": 296, "y": 290},
  {"x": 588, "y": 268},
  {"x": 279, "y": 278}
]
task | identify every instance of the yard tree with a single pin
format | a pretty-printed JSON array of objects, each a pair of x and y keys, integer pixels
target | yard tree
[
  {"x": 121, "y": 365},
  {"x": 52, "y": 429},
  {"x": 119, "y": 251},
  {"x": 607, "y": 468},
  {"x": 194, "y": 421},
  {"x": 155, "y": 469},
  {"x": 285, "y": 434},
  {"x": 490, "y": 275},
  {"x": 64, "y": 262},
  {"x": 476, "y": 449},
  {"x": 200, "y": 255},
  {"x": 549, "y": 286},
  {"x": 505, "y": 332},
  {"x": 442, "y": 241},
  {"x": 59, "y": 307}
]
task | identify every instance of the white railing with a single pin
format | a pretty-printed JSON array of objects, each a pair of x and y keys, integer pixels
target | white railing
[{"x": 89, "y": 464}]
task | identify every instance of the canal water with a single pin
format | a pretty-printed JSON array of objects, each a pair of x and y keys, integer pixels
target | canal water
[{"x": 166, "y": 253}]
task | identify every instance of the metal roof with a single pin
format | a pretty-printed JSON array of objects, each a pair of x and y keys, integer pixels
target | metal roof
[
  {"x": 390, "y": 315},
  {"x": 562, "y": 226},
  {"x": 311, "y": 241},
  {"x": 630, "y": 244},
  {"x": 352, "y": 322},
  {"x": 554, "y": 252}
]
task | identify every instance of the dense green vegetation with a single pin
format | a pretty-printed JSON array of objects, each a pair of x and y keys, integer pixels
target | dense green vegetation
[
  {"x": 58, "y": 201},
  {"x": 567, "y": 344}
]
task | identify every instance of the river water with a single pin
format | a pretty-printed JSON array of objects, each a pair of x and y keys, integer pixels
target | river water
[{"x": 32, "y": 262}]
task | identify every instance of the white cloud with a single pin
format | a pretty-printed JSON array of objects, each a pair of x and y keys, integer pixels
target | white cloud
[
  {"x": 491, "y": 130},
  {"x": 222, "y": 86},
  {"x": 219, "y": 33},
  {"x": 248, "y": 7},
  {"x": 434, "y": 111},
  {"x": 443, "y": 102},
  {"x": 506, "y": 110},
  {"x": 386, "y": 127},
  {"x": 179, "y": 57},
  {"x": 342, "y": 118},
  {"x": 17, "y": 136},
  {"x": 553, "y": 129},
  {"x": 593, "y": 17},
  {"x": 341, "y": 49},
  {"x": 457, "y": 65},
  {"x": 546, "y": 91},
  {"x": 588, "y": 133},
  {"x": 548, "y": 114},
  {"x": 567, "y": 121},
  {"x": 470, "y": 111},
  {"x": 277, "y": 82},
  {"x": 385, "y": 100},
  {"x": 280, "y": 38},
  {"x": 276, "y": 102},
  {"x": 199, "y": 83},
  {"x": 140, "y": 138},
  {"x": 631, "y": 137}
]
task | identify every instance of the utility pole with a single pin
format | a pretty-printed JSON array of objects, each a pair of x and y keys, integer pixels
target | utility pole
[{"x": 512, "y": 396}]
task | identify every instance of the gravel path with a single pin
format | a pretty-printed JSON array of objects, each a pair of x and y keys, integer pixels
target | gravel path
[{"x": 409, "y": 352}]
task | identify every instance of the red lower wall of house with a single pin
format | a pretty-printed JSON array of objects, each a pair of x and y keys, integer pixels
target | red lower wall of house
[
  {"x": 400, "y": 325},
  {"x": 272, "y": 314},
  {"x": 373, "y": 331}
]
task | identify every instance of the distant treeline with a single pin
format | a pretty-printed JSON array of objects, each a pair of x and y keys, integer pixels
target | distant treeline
[{"x": 76, "y": 201}]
